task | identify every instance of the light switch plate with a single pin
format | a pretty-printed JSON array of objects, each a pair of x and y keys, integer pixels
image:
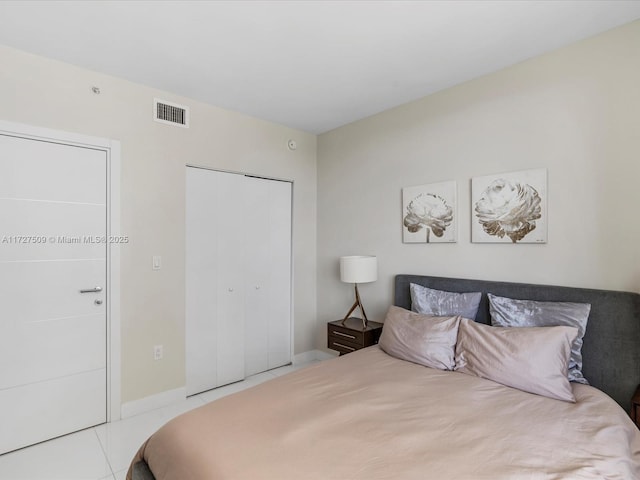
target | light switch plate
[
  {"x": 157, "y": 262},
  {"x": 158, "y": 352}
]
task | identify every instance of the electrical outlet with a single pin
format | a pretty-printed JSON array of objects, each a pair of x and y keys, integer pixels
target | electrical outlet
[{"x": 157, "y": 352}]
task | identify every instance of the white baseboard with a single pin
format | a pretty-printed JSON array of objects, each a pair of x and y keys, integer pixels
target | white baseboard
[
  {"x": 312, "y": 355},
  {"x": 152, "y": 402}
]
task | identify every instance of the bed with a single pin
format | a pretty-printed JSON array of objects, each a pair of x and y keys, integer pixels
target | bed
[{"x": 369, "y": 415}]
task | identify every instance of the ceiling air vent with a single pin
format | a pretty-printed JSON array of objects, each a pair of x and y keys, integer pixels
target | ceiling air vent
[{"x": 171, "y": 113}]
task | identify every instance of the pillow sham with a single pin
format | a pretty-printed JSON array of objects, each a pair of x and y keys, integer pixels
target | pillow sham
[
  {"x": 444, "y": 304},
  {"x": 422, "y": 339},
  {"x": 531, "y": 359},
  {"x": 508, "y": 312}
]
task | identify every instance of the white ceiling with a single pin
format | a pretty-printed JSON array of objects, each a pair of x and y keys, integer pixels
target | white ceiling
[{"x": 310, "y": 65}]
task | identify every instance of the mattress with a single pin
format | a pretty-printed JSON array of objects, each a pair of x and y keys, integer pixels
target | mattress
[{"x": 371, "y": 416}]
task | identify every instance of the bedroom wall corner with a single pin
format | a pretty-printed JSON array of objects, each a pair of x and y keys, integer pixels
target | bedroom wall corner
[{"x": 573, "y": 111}]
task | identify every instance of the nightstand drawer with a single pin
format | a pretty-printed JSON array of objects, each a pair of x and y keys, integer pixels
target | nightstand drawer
[
  {"x": 346, "y": 334},
  {"x": 342, "y": 346}
]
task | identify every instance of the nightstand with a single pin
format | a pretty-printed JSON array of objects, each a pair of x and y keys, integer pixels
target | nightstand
[
  {"x": 635, "y": 407},
  {"x": 351, "y": 336}
]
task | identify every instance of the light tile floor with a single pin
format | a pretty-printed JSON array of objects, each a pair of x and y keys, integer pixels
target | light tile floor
[{"x": 104, "y": 452}]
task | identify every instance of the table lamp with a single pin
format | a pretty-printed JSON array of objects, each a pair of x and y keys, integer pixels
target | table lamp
[{"x": 358, "y": 269}]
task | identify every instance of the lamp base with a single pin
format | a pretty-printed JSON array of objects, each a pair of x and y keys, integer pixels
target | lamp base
[{"x": 356, "y": 304}]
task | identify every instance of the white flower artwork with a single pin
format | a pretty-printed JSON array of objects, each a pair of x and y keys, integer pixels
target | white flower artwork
[
  {"x": 429, "y": 213},
  {"x": 509, "y": 208}
]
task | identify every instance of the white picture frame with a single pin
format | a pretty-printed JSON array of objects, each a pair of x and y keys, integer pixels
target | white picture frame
[
  {"x": 510, "y": 207},
  {"x": 429, "y": 213}
]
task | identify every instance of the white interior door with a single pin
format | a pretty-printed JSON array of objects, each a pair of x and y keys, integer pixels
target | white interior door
[
  {"x": 238, "y": 277},
  {"x": 231, "y": 251},
  {"x": 279, "y": 273},
  {"x": 201, "y": 286},
  {"x": 268, "y": 274},
  {"x": 52, "y": 245},
  {"x": 214, "y": 279},
  {"x": 256, "y": 205}
]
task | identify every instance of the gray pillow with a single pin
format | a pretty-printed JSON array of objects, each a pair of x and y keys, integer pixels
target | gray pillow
[
  {"x": 422, "y": 339},
  {"x": 508, "y": 312},
  {"x": 443, "y": 304}
]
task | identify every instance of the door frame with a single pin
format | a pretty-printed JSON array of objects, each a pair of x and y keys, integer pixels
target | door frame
[{"x": 112, "y": 151}]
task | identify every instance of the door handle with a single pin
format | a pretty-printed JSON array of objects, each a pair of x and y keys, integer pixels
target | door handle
[{"x": 92, "y": 290}]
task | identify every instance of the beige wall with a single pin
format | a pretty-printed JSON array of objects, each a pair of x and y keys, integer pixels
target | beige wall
[
  {"x": 46, "y": 93},
  {"x": 574, "y": 111}
]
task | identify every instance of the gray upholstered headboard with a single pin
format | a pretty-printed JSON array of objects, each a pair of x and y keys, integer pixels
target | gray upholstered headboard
[{"x": 611, "y": 350}]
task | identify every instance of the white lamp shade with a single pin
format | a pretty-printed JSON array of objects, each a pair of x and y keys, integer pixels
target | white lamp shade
[{"x": 359, "y": 269}]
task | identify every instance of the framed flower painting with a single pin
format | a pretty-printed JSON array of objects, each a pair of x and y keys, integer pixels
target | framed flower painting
[
  {"x": 429, "y": 213},
  {"x": 509, "y": 208}
]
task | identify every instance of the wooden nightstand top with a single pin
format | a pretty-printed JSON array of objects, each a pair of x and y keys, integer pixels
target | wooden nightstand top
[{"x": 353, "y": 323}]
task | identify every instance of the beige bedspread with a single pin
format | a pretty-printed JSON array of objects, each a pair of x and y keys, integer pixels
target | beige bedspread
[{"x": 370, "y": 416}]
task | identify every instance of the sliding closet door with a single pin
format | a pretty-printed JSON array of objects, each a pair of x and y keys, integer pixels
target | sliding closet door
[
  {"x": 214, "y": 279},
  {"x": 268, "y": 274}
]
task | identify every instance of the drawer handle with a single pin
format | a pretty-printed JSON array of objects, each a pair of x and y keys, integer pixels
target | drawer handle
[
  {"x": 335, "y": 332},
  {"x": 344, "y": 346}
]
